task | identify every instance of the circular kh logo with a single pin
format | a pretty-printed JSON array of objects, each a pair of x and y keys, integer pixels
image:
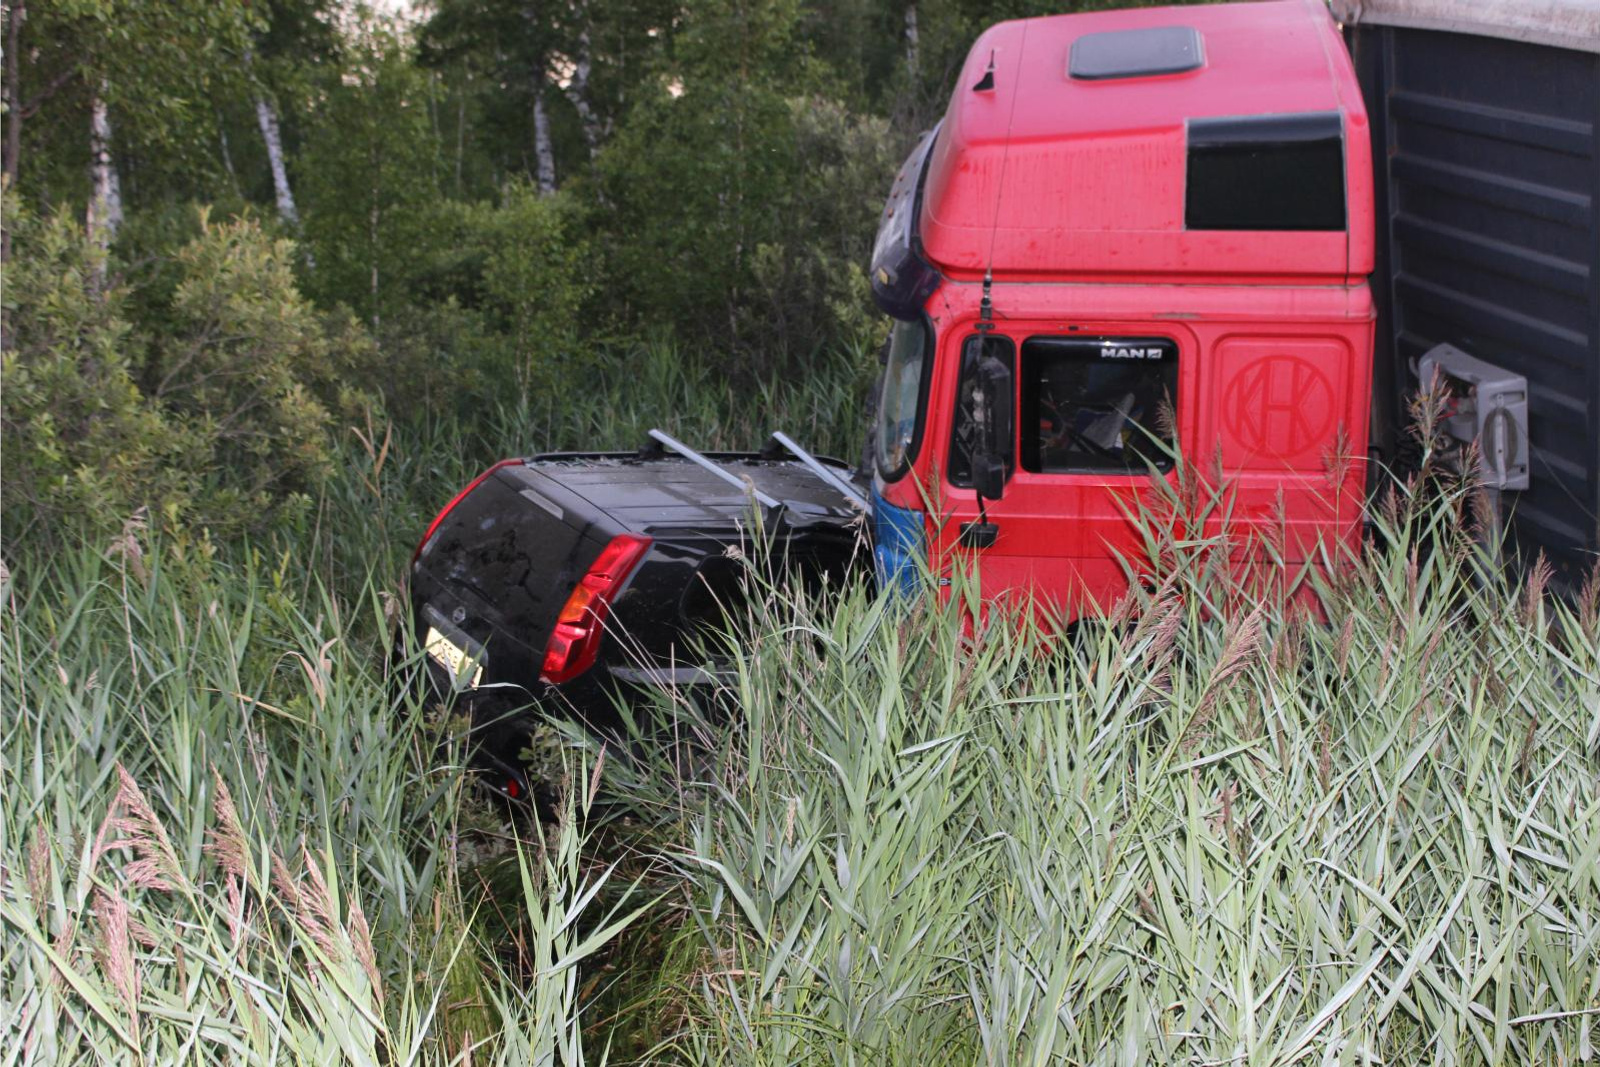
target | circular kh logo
[{"x": 1280, "y": 404}]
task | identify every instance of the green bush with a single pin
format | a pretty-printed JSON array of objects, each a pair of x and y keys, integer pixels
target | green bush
[
  {"x": 739, "y": 202},
  {"x": 492, "y": 303},
  {"x": 256, "y": 370},
  {"x": 80, "y": 439},
  {"x": 812, "y": 277},
  {"x": 206, "y": 398}
]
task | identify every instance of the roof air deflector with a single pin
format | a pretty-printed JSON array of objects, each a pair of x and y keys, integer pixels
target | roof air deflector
[{"x": 1135, "y": 53}]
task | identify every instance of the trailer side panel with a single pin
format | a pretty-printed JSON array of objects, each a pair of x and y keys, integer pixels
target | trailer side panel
[{"x": 1487, "y": 183}]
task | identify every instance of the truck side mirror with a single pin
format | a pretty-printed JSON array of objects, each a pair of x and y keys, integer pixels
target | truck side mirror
[{"x": 991, "y": 461}]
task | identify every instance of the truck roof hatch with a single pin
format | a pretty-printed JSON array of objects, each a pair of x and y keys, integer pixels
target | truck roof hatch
[{"x": 1138, "y": 53}]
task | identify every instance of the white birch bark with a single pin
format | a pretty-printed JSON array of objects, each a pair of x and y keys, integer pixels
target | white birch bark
[
  {"x": 461, "y": 135},
  {"x": 105, "y": 212},
  {"x": 267, "y": 119},
  {"x": 227, "y": 155},
  {"x": 544, "y": 151},
  {"x": 912, "y": 39},
  {"x": 578, "y": 92}
]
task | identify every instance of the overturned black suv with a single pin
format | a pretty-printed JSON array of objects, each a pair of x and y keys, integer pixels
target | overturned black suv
[{"x": 569, "y": 581}]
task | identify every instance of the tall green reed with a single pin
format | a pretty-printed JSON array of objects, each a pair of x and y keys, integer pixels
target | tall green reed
[
  {"x": 226, "y": 836},
  {"x": 1210, "y": 828}
]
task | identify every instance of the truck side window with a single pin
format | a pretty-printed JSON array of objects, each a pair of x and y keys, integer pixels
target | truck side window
[
  {"x": 1098, "y": 403},
  {"x": 963, "y": 427},
  {"x": 1266, "y": 172},
  {"x": 901, "y": 405}
]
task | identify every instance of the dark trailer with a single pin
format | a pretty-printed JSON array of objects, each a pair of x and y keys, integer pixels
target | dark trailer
[{"x": 1484, "y": 122}]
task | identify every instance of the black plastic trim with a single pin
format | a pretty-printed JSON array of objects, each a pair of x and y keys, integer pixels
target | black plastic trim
[
  {"x": 901, "y": 276},
  {"x": 1266, "y": 172},
  {"x": 1140, "y": 53}
]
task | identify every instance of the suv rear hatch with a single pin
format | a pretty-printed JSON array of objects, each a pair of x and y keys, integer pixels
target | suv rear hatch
[{"x": 492, "y": 577}]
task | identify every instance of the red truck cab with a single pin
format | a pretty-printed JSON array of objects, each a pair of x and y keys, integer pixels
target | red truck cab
[{"x": 1150, "y": 230}]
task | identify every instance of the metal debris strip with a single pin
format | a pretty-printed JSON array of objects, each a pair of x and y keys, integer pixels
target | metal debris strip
[
  {"x": 817, "y": 467},
  {"x": 698, "y": 459}
]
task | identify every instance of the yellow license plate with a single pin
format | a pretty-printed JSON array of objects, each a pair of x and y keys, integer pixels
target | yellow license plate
[{"x": 461, "y": 665}]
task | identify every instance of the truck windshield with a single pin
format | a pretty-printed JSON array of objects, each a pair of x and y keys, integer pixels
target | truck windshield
[{"x": 901, "y": 404}]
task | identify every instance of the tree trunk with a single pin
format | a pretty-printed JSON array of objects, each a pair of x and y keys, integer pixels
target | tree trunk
[
  {"x": 105, "y": 211},
  {"x": 267, "y": 119},
  {"x": 544, "y": 151},
  {"x": 12, "y": 147},
  {"x": 461, "y": 134},
  {"x": 227, "y": 156},
  {"x": 374, "y": 227},
  {"x": 912, "y": 40},
  {"x": 13, "y": 142},
  {"x": 578, "y": 92}
]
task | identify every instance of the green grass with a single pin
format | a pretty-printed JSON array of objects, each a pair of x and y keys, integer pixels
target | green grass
[
  {"x": 1180, "y": 838},
  {"x": 225, "y": 839},
  {"x": 1204, "y": 831}
]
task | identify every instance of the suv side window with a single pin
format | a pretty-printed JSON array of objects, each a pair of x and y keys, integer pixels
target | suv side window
[{"x": 1098, "y": 404}]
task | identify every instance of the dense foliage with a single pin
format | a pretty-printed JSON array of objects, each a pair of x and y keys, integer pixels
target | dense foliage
[{"x": 280, "y": 276}]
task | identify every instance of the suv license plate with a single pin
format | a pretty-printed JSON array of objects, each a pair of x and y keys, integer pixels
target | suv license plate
[{"x": 465, "y": 669}]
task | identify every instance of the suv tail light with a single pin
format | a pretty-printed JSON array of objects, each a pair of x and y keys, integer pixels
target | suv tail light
[
  {"x": 575, "y": 641},
  {"x": 458, "y": 498}
]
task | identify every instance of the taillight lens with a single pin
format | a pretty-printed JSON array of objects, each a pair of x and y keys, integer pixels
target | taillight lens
[
  {"x": 575, "y": 641},
  {"x": 458, "y": 498}
]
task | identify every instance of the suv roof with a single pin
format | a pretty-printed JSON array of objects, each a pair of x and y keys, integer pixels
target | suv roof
[{"x": 657, "y": 494}]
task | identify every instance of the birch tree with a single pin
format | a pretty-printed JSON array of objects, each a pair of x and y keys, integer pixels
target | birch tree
[
  {"x": 127, "y": 72},
  {"x": 283, "y": 195},
  {"x": 293, "y": 49},
  {"x": 544, "y": 150},
  {"x": 578, "y": 92},
  {"x": 552, "y": 79},
  {"x": 105, "y": 205}
]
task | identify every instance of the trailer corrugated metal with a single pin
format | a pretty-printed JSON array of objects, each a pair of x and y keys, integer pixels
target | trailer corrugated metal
[{"x": 1484, "y": 120}]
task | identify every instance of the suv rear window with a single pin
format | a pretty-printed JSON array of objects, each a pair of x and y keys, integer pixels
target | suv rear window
[{"x": 1098, "y": 403}]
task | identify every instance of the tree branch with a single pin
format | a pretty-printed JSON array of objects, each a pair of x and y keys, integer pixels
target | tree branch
[{"x": 31, "y": 108}]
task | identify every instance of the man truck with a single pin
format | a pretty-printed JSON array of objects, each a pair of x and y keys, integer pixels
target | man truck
[{"x": 1242, "y": 233}]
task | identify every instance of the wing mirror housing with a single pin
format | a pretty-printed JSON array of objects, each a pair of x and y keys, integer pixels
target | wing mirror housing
[{"x": 991, "y": 462}]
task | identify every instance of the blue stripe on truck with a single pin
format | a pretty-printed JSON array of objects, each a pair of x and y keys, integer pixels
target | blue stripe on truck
[{"x": 899, "y": 544}]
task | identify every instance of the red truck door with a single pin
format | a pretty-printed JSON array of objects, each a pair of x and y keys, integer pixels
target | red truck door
[{"x": 1097, "y": 411}]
